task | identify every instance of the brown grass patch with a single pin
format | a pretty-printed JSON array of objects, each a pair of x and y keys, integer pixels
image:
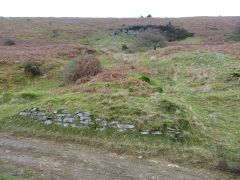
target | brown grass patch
[
  {"x": 82, "y": 68},
  {"x": 82, "y": 89},
  {"x": 116, "y": 74},
  {"x": 135, "y": 82},
  {"x": 140, "y": 69},
  {"x": 110, "y": 75},
  {"x": 41, "y": 53},
  {"x": 83, "y": 80},
  {"x": 136, "y": 87}
]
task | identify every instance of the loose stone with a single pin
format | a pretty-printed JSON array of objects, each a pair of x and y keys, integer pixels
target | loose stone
[
  {"x": 64, "y": 111},
  {"x": 145, "y": 132},
  {"x": 171, "y": 130},
  {"x": 77, "y": 111},
  {"x": 86, "y": 114},
  {"x": 157, "y": 133},
  {"x": 24, "y": 114},
  {"x": 48, "y": 122}
]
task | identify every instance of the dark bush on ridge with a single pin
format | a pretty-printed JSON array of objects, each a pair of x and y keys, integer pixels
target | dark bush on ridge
[
  {"x": 149, "y": 39},
  {"x": 171, "y": 32},
  {"x": 83, "y": 66},
  {"x": 32, "y": 69},
  {"x": 145, "y": 79},
  {"x": 158, "y": 89},
  {"x": 55, "y": 34},
  {"x": 9, "y": 42},
  {"x": 124, "y": 47}
]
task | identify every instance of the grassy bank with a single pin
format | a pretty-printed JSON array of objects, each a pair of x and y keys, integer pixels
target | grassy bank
[{"x": 196, "y": 94}]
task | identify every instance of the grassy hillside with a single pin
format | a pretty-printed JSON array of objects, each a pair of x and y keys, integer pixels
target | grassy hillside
[
  {"x": 200, "y": 99},
  {"x": 191, "y": 88}
]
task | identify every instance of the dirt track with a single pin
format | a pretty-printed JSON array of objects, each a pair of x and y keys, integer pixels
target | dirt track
[{"x": 52, "y": 160}]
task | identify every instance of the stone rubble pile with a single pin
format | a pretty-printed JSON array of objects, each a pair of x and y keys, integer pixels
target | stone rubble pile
[{"x": 82, "y": 119}]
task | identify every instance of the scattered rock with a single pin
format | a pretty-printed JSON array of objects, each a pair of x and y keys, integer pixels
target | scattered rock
[
  {"x": 171, "y": 130},
  {"x": 24, "y": 114},
  {"x": 68, "y": 120},
  {"x": 212, "y": 115},
  {"x": 157, "y": 133},
  {"x": 82, "y": 120},
  {"x": 120, "y": 126},
  {"x": 153, "y": 161},
  {"x": 64, "y": 111},
  {"x": 86, "y": 122},
  {"x": 43, "y": 118},
  {"x": 58, "y": 119},
  {"x": 39, "y": 113},
  {"x": 60, "y": 115},
  {"x": 77, "y": 111},
  {"x": 80, "y": 115},
  {"x": 86, "y": 114},
  {"x": 121, "y": 130},
  {"x": 101, "y": 129},
  {"x": 145, "y": 132},
  {"x": 112, "y": 33},
  {"x": 129, "y": 126},
  {"x": 177, "y": 133},
  {"x": 58, "y": 123},
  {"x": 33, "y": 109},
  {"x": 73, "y": 125},
  {"x": 173, "y": 165},
  {"x": 68, "y": 115},
  {"x": 113, "y": 123},
  {"x": 48, "y": 122},
  {"x": 104, "y": 123}
]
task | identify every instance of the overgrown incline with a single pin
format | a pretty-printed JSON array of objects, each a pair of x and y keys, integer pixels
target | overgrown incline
[
  {"x": 187, "y": 91},
  {"x": 196, "y": 93}
]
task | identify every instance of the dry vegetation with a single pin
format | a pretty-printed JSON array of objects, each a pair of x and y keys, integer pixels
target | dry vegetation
[{"x": 34, "y": 42}]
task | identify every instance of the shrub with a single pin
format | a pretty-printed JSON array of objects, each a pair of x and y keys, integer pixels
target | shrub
[
  {"x": 83, "y": 66},
  {"x": 149, "y": 39},
  {"x": 55, "y": 34},
  {"x": 32, "y": 69},
  {"x": 29, "y": 95},
  {"x": 145, "y": 79},
  {"x": 9, "y": 42},
  {"x": 158, "y": 89},
  {"x": 124, "y": 47}
]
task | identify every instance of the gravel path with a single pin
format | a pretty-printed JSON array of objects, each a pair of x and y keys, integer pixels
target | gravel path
[{"x": 53, "y": 160}]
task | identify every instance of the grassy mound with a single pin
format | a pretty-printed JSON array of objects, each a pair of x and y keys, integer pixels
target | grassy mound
[{"x": 196, "y": 94}]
